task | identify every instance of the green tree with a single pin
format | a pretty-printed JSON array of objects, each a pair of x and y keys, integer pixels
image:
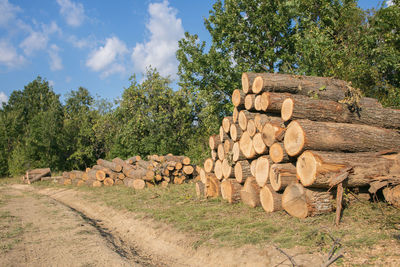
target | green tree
[{"x": 151, "y": 118}]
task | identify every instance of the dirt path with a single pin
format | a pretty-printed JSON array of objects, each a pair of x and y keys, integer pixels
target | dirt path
[{"x": 36, "y": 230}]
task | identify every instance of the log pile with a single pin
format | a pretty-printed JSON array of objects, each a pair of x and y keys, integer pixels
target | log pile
[
  {"x": 295, "y": 142},
  {"x": 134, "y": 172},
  {"x": 35, "y": 175}
]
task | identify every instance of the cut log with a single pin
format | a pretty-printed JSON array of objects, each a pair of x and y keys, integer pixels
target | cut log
[
  {"x": 221, "y": 152},
  {"x": 246, "y": 146},
  {"x": 109, "y": 173},
  {"x": 235, "y": 132},
  {"x": 133, "y": 160},
  {"x": 272, "y": 132},
  {"x": 218, "y": 170},
  {"x": 392, "y": 195},
  {"x": 203, "y": 176},
  {"x": 328, "y": 136},
  {"x": 242, "y": 171},
  {"x": 128, "y": 182},
  {"x": 250, "y": 193},
  {"x": 214, "y": 155},
  {"x": 125, "y": 166},
  {"x": 119, "y": 182},
  {"x": 249, "y": 102},
  {"x": 100, "y": 175},
  {"x": 262, "y": 171},
  {"x": 259, "y": 145},
  {"x": 226, "y": 124},
  {"x": 320, "y": 169},
  {"x": 108, "y": 182},
  {"x": 213, "y": 186},
  {"x": 139, "y": 173},
  {"x": 301, "y": 202},
  {"x": 317, "y": 87},
  {"x": 97, "y": 184},
  {"x": 244, "y": 117},
  {"x": 371, "y": 113},
  {"x": 247, "y": 81},
  {"x": 253, "y": 168},
  {"x": 222, "y": 134},
  {"x": 186, "y": 160},
  {"x": 200, "y": 189},
  {"x": 237, "y": 154},
  {"x": 238, "y": 98},
  {"x": 235, "y": 115},
  {"x": 230, "y": 190},
  {"x": 270, "y": 200},
  {"x": 257, "y": 103},
  {"x": 188, "y": 169},
  {"x": 138, "y": 184},
  {"x": 251, "y": 128},
  {"x": 214, "y": 141},
  {"x": 264, "y": 101},
  {"x": 278, "y": 153},
  {"x": 260, "y": 120},
  {"x": 228, "y": 145},
  {"x": 227, "y": 169},
  {"x": 209, "y": 165},
  {"x": 282, "y": 175},
  {"x": 36, "y": 174},
  {"x": 275, "y": 101},
  {"x": 110, "y": 165}
]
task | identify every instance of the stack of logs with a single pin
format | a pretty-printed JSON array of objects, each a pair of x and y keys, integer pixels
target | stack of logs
[
  {"x": 295, "y": 143},
  {"x": 134, "y": 172}
]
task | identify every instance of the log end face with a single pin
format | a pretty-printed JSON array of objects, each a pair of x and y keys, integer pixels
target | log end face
[
  {"x": 238, "y": 172},
  {"x": 245, "y": 83},
  {"x": 242, "y": 120},
  {"x": 264, "y": 101},
  {"x": 236, "y": 97},
  {"x": 294, "y": 201},
  {"x": 233, "y": 132},
  {"x": 266, "y": 199},
  {"x": 248, "y": 102},
  {"x": 274, "y": 179},
  {"x": 276, "y": 153},
  {"x": 268, "y": 134},
  {"x": 294, "y": 139},
  {"x": 306, "y": 168},
  {"x": 287, "y": 109},
  {"x": 262, "y": 171},
  {"x": 257, "y": 85}
]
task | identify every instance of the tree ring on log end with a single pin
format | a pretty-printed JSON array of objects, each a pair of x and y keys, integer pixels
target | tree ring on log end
[
  {"x": 287, "y": 109},
  {"x": 294, "y": 201},
  {"x": 257, "y": 85},
  {"x": 294, "y": 139},
  {"x": 306, "y": 168}
]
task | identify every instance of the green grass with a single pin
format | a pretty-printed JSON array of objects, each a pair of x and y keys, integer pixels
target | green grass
[{"x": 216, "y": 223}]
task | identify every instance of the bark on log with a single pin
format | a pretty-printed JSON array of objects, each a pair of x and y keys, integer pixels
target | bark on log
[
  {"x": 238, "y": 98},
  {"x": 235, "y": 115},
  {"x": 218, "y": 170},
  {"x": 226, "y": 124},
  {"x": 203, "y": 176},
  {"x": 119, "y": 182},
  {"x": 228, "y": 145},
  {"x": 139, "y": 173},
  {"x": 214, "y": 155},
  {"x": 301, "y": 202},
  {"x": 110, "y": 165},
  {"x": 242, "y": 171},
  {"x": 251, "y": 128},
  {"x": 260, "y": 120},
  {"x": 328, "y": 136},
  {"x": 97, "y": 184},
  {"x": 36, "y": 174},
  {"x": 209, "y": 165},
  {"x": 249, "y": 102},
  {"x": 371, "y": 113},
  {"x": 246, "y": 146},
  {"x": 222, "y": 135},
  {"x": 237, "y": 154},
  {"x": 227, "y": 169},
  {"x": 213, "y": 186},
  {"x": 319, "y": 169},
  {"x": 270, "y": 200},
  {"x": 247, "y": 81},
  {"x": 250, "y": 193},
  {"x": 235, "y": 132},
  {"x": 323, "y": 88},
  {"x": 392, "y": 195},
  {"x": 278, "y": 153},
  {"x": 262, "y": 170},
  {"x": 282, "y": 175},
  {"x": 244, "y": 117},
  {"x": 259, "y": 145},
  {"x": 275, "y": 101},
  {"x": 125, "y": 166},
  {"x": 273, "y": 132},
  {"x": 133, "y": 160},
  {"x": 200, "y": 189},
  {"x": 230, "y": 190}
]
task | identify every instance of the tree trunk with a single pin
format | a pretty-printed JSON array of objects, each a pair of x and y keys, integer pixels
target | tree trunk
[
  {"x": 226, "y": 124},
  {"x": 371, "y": 113},
  {"x": 282, "y": 175},
  {"x": 230, "y": 190},
  {"x": 270, "y": 200},
  {"x": 262, "y": 170},
  {"x": 259, "y": 145},
  {"x": 328, "y": 136},
  {"x": 278, "y": 153},
  {"x": 275, "y": 101},
  {"x": 244, "y": 117},
  {"x": 246, "y": 146},
  {"x": 301, "y": 202},
  {"x": 323, "y": 88},
  {"x": 139, "y": 173},
  {"x": 227, "y": 169},
  {"x": 125, "y": 166},
  {"x": 249, "y": 102},
  {"x": 242, "y": 171},
  {"x": 110, "y": 165},
  {"x": 235, "y": 132},
  {"x": 321, "y": 169},
  {"x": 250, "y": 193},
  {"x": 238, "y": 98},
  {"x": 247, "y": 81}
]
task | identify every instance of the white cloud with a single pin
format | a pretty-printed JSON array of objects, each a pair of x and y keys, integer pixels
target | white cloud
[
  {"x": 55, "y": 59},
  {"x": 88, "y": 42},
  {"x": 7, "y": 12},
  {"x": 37, "y": 40},
  {"x": 73, "y": 13},
  {"x": 389, "y": 3},
  {"x": 159, "y": 51},
  {"x": 9, "y": 56},
  {"x": 51, "y": 83},
  {"x": 104, "y": 58},
  {"x": 3, "y": 98}
]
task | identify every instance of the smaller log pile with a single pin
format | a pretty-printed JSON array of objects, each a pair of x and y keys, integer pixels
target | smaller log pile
[
  {"x": 295, "y": 142},
  {"x": 134, "y": 172},
  {"x": 35, "y": 175}
]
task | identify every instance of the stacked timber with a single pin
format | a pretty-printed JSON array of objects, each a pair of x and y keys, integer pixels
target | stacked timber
[
  {"x": 135, "y": 172},
  {"x": 295, "y": 142},
  {"x": 35, "y": 175}
]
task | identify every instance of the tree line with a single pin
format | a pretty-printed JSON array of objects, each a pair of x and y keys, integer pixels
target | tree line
[{"x": 331, "y": 38}]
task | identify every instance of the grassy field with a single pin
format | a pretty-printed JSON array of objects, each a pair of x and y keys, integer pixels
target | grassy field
[{"x": 214, "y": 222}]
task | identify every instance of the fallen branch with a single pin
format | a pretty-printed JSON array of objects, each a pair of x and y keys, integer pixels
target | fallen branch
[{"x": 294, "y": 264}]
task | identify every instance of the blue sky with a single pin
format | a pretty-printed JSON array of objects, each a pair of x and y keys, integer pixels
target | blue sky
[{"x": 95, "y": 44}]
